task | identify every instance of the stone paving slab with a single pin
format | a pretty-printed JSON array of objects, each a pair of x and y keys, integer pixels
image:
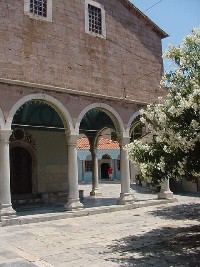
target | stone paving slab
[
  {"x": 105, "y": 203},
  {"x": 20, "y": 220},
  {"x": 158, "y": 236},
  {"x": 151, "y": 236}
]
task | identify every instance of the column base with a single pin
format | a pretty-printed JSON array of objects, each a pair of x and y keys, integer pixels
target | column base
[
  {"x": 165, "y": 194},
  {"x": 125, "y": 198},
  {"x": 7, "y": 212},
  {"x": 73, "y": 204},
  {"x": 95, "y": 193}
]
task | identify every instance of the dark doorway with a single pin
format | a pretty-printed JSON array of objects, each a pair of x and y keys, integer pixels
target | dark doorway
[
  {"x": 20, "y": 171},
  {"x": 104, "y": 170}
]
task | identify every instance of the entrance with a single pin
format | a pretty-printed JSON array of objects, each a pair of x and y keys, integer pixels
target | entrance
[
  {"x": 20, "y": 171},
  {"x": 104, "y": 170}
]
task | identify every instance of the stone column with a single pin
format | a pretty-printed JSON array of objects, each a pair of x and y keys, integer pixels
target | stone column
[
  {"x": 125, "y": 196},
  {"x": 165, "y": 190},
  {"x": 95, "y": 178},
  {"x": 6, "y": 210},
  {"x": 73, "y": 193}
]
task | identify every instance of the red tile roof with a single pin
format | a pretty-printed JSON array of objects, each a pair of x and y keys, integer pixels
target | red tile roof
[{"x": 103, "y": 144}]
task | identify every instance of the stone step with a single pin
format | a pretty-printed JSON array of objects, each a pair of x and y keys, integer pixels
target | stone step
[{"x": 26, "y": 219}]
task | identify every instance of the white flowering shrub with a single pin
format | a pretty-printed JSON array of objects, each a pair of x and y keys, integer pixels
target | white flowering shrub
[{"x": 174, "y": 121}]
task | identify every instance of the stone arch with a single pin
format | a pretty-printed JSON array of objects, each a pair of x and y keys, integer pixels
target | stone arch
[
  {"x": 97, "y": 137},
  {"x": 57, "y": 105},
  {"x": 111, "y": 112},
  {"x": 2, "y": 119},
  {"x": 134, "y": 123},
  {"x": 132, "y": 118}
]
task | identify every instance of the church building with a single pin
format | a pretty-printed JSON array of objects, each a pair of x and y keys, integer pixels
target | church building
[{"x": 70, "y": 68}]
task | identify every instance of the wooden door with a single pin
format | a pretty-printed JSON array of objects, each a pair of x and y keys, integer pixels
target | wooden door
[
  {"x": 104, "y": 170},
  {"x": 20, "y": 171}
]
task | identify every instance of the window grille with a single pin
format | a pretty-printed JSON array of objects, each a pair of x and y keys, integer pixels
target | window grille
[
  {"x": 95, "y": 19},
  {"x": 38, "y": 7},
  {"x": 88, "y": 166}
]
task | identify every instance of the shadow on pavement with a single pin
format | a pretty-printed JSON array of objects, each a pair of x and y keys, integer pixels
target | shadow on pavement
[
  {"x": 162, "y": 247},
  {"x": 179, "y": 212},
  {"x": 143, "y": 190}
]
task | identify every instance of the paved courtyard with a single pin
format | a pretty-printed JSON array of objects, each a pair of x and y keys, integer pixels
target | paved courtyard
[{"x": 159, "y": 236}]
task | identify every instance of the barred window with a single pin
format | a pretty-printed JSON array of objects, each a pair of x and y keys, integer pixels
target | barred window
[
  {"x": 95, "y": 19},
  {"x": 38, "y": 7},
  {"x": 88, "y": 165}
]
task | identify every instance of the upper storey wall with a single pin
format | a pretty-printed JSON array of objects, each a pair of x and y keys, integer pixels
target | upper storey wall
[{"x": 127, "y": 63}]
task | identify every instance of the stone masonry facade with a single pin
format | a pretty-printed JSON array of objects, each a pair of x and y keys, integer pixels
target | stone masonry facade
[
  {"x": 56, "y": 59},
  {"x": 127, "y": 64}
]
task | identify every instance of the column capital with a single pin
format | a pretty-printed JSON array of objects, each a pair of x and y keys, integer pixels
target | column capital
[
  {"x": 5, "y": 135},
  {"x": 124, "y": 141},
  {"x": 72, "y": 139}
]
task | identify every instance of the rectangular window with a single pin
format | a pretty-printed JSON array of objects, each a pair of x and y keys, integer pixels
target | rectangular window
[
  {"x": 95, "y": 19},
  {"x": 38, "y": 7},
  {"x": 118, "y": 165},
  {"x": 88, "y": 166}
]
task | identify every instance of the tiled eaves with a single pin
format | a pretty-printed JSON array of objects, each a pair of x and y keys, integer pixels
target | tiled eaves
[{"x": 104, "y": 144}]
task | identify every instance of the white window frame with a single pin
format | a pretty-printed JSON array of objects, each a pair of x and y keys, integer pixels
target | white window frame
[
  {"x": 95, "y": 4},
  {"x": 34, "y": 16}
]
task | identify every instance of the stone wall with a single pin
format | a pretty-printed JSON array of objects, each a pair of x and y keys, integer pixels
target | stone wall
[
  {"x": 127, "y": 64},
  {"x": 189, "y": 186},
  {"x": 51, "y": 149},
  {"x": 10, "y": 94}
]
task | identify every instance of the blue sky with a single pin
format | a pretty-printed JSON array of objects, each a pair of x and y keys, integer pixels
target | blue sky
[{"x": 176, "y": 17}]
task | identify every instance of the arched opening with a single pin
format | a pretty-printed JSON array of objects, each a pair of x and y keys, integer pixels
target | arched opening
[
  {"x": 20, "y": 171},
  {"x": 38, "y": 151},
  {"x": 103, "y": 130},
  {"x": 107, "y": 152},
  {"x": 137, "y": 130},
  {"x": 99, "y": 122}
]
